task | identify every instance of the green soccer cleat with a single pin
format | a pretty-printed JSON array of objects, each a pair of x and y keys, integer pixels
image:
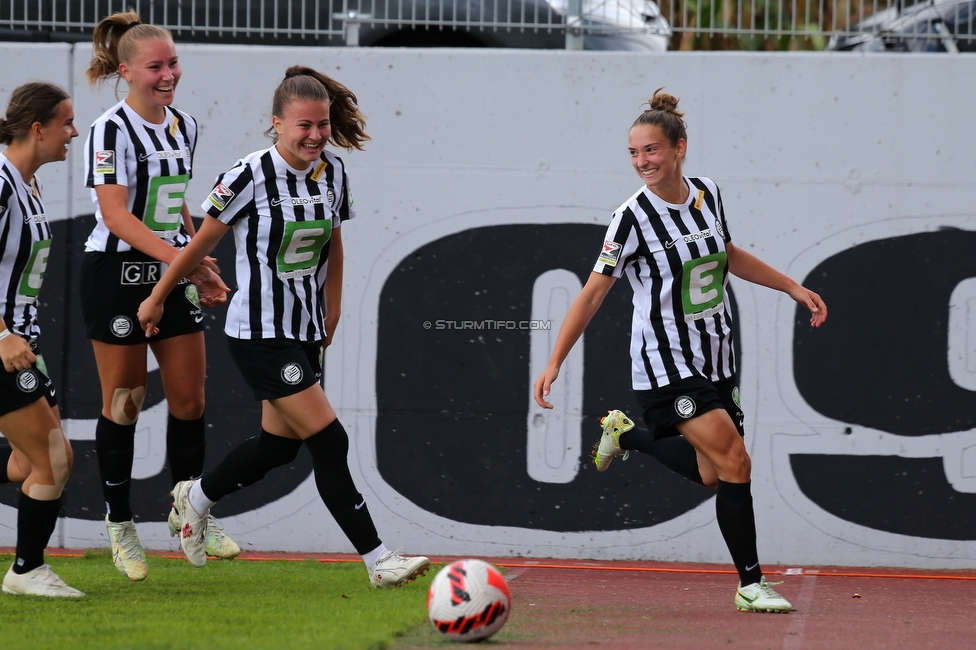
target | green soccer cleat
[
  {"x": 760, "y": 597},
  {"x": 608, "y": 447},
  {"x": 127, "y": 553}
]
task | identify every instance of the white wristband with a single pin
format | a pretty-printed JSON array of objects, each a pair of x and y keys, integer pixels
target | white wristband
[{"x": 4, "y": 334}]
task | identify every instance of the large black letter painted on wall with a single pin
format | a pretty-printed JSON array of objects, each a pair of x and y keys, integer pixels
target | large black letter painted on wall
[
  {"x": 881, "y": 362},
  {"x": 453, "y": 404}
]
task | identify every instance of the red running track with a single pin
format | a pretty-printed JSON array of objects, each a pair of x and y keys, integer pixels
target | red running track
[{"x": 578, "y": 603}]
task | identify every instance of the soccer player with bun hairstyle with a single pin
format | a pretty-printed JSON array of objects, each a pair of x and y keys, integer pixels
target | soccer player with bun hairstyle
[
  {"x": 138, "y": 162},
  {"x": 37, "y": 128},
  {"x": 672, "y": 241},
  {"x": 286, "y": 206}
]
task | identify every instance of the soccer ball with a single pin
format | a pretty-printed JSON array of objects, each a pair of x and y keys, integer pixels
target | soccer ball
[{"x": 468, "y": 600}]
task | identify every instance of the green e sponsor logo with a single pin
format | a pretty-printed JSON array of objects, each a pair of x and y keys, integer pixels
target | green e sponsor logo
[
  {"x": 30, "y": 282},
  {"x": 301, "y": 247},
  {"x": 165, "y": 204},
  {"x": 702, "y": 286}
]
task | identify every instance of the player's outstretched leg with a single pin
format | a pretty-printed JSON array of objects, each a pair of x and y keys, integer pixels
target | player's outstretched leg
[{"x": 608, "y": 448}]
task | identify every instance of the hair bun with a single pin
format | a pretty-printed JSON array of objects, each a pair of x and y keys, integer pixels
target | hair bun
[{"x": 664, "y": 102}]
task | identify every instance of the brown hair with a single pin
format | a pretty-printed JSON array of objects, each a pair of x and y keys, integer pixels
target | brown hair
[
  {"x": 348, "y": 122},
  {"x": 37, "y": 101},
  {"x": 116, "y": 40},
  {"x": 663, "y": 112}
]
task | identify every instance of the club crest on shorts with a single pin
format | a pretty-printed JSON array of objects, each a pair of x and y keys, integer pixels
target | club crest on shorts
[
  {"x": 121, "y": 326},
  {"x": 685, "y": 406},
  {"x": 192, "y": 295},
  {"x": 26, "y": 381},
  {"x": 291, "y": 373},
  {"x": 735, "y": 397}
]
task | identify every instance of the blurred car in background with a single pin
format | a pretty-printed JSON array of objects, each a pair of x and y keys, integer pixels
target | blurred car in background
[{"x": 928, "y": 26}]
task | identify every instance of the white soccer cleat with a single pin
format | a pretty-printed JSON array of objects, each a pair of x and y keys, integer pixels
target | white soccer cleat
[
  {"x": 193, "y": 532},
  {"x": 395, "y": 570},
  {"x": 127, "y": 553},
  {"x": 614, "y": 424},
  {"x": 760, "y": 597},
  {"x": 219, "y": 545},
  {"x": 41, "y": 581}
]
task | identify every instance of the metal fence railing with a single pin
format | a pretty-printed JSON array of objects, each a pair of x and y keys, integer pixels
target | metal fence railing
[{"x": 599, "y": 24}]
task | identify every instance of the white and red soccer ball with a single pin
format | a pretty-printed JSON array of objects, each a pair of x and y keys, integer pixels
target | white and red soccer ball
[{"x": 468, "y": 600}]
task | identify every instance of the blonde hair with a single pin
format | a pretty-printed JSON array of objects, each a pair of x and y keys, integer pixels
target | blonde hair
[
  {"x": 116, "y": 40},
  {"x": 663, "y": 112},
  {"x": 303, "y": 83}
]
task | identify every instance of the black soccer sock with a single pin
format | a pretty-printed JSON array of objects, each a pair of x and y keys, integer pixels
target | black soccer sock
[
  {"x": 5, "y": 453},
  {"x": 248, "y": 463},
  {"x": 737, "y": 521},
  {"x": 115, "y": 445},
  {"x": 35, "y": 524},
  {"x": 186, "y": 445},
  {"x": 330, "y": 450},
  {"x": 674, "y": 452}
]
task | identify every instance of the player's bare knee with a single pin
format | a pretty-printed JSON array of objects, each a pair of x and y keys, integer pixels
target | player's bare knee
[{"x": 127, "y": 404}]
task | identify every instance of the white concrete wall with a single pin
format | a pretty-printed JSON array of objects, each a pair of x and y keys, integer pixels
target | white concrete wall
[{"x": 815, "y": 153}]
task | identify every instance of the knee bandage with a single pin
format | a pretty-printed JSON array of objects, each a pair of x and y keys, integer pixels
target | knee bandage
[
  {"x": 127, "y": 404},
  {"x": 57, "y": 449}
]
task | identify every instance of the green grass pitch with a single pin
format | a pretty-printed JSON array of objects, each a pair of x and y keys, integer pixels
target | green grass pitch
[{"x": 231, "y": 604}]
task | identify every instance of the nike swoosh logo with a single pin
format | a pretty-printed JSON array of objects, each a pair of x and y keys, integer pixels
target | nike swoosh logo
[
  {"x": 670, "y": 244},
  {"x": 750, "y": 568},
  {"x": 277, "y": 202},
  {"x": 361, "y": 504},
  {"x": 143, "y": 157},
  {"x": 111, "y": 484}
]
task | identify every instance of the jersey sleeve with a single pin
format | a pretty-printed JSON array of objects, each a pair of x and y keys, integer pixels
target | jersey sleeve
[
  {"x": 346, "y": 209},
  {"x": 8, "y": 201},
  {"x": 619, "y": 244},
  {"x": 190, "y": 126},
  {"x": 722, "y": 223},
  {"x": 105, "y": 155},
  {"x": 232, "y": 194}
]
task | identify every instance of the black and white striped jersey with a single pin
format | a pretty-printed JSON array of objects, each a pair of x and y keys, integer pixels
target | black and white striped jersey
[
  {"x": 25, "y": 244},
  {"x": 282, "y": 220},
  {"x": 153, "y": 160},
  {"x": 675, "y": 259}
]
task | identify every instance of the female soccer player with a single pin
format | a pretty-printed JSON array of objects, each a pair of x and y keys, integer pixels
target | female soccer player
[
  {"x": 286, "y": 205},
  {"x": 672, "y": 241},
  {"x": 38, "y": 126},
  {"x": 138, "y": 160}
]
